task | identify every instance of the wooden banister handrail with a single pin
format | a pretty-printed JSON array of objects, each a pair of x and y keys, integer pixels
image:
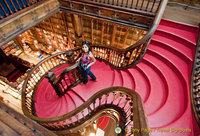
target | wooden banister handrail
[
  {"x": 38, "y": 72},
  {"x": 57, "y": 83},
  {"x": 137, "y": 117},
  {"x": 115, "y": 7},
  {"x": 56, "y": 124},
  {"x": 194, "y": 83}
]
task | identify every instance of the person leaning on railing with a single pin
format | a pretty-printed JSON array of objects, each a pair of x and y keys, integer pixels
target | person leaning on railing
[{"x": 85, "y": 62}]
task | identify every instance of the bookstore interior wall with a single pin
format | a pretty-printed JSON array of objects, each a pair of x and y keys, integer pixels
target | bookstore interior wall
[{"x": 61, "y": 32}]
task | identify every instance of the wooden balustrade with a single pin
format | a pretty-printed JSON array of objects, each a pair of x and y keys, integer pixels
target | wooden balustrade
[
  {"x": 144, "y": 5},
  {"x": 195, "y": 83},
  {"x": 66, "y": 80},
  {"x": 10, "y": 7},
  {"x": 119, "y": 59},
  {"x": 124, "y": 58},
  {"x": 137, "y": 17},
  {"x": 113, "y": 101},
  {"x": 38, "y": 73},
  {"x": 121, "y": 104}
]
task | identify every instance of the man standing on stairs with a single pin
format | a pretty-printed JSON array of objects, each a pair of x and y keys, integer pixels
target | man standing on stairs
[{"x": 85, "y": 62}]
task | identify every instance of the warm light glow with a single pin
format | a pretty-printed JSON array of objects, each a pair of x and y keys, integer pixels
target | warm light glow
[
  {"x": 137, "y": 32},
  {"x": 92, "y": 134},
  {"x": 95, "y": 126}
]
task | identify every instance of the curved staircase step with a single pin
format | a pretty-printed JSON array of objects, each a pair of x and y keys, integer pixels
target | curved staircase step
[
  {"x": 71, "y": 103},
  {"x": 141, "y": 83},
  {"x": 158, "y": 91},
  {"x": 118, "y": 80},
  {"x": 104, "y": 80},
  {"x": 103, "y": 122},
  {"x": 176, "y": 101},
  {"x": 75, "y": 96},
  {"x": 180, "y": 63},
  {"x": 172, "y": 49},
  {"x": 128, "y": 80},
  {"x": 185, "y": 31},
  {"x": 178, "y": 43}
]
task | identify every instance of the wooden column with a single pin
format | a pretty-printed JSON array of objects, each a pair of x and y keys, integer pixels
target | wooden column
[
  {"x": 102, "y": 33},
  {"x": 78, "y": 30},
  {"x": 51, "y": 24},
  {"x": 77, "y": 25},
  {"x": 73, "y": 25},
  {"x": 125, "y": 37},
  {"x": 65, "y": 25},
  {"x": 60, "y": 26},
  {"x": 113, "y": 34},
  {"x": 92, "y": 23},
  {"x": 82, "y": 28},
  {"x": 18, "y": 41}
]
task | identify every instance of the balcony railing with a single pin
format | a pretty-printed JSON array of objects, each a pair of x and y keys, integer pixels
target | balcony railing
[
  {"x": 195, "y": 83},
  {"x": 10, "y": 7},
  {"x": 135, "y": 15}
]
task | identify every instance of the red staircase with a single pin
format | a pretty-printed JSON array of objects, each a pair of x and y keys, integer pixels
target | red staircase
[
  {"x": 162, "y": 79},
  {"x": 12, "y": 77}
]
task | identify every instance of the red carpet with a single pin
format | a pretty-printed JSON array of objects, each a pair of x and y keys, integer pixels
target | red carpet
[{"x": 162, "y": 79}]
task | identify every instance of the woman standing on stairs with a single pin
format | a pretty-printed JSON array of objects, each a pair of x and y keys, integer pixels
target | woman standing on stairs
[{"x": 85, "y": 62}]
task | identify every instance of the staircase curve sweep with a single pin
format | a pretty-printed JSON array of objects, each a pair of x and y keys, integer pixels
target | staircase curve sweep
[
  {"x": 121, "y": 104},
  {"x": 144, "y": 14},
  {"x": 161, "y": 79},
  {"x": 195, "y": 83}
]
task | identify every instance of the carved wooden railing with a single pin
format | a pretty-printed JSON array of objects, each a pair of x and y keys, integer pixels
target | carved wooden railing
[
  {"x": 66, "y": 80},
  {"x": 119, "y": 59},
  {"x": 137, "y": 13},
  {"x": 195, "y": 83},
  {"x": 121, "y": 104},
  {"x": 39, "y": 72},
  {"x": 142, "y": 5},
  {"x": 141, "y": 17},
  {"x": 8, "y": 8}
]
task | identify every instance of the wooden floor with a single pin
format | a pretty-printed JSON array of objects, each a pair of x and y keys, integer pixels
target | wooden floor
[
  {"x": 180, "y": 14},
  {"x": 10, "y": 100}
]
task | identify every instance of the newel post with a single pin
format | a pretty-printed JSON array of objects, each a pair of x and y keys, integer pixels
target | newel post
[{"x": 52, "y": 80}]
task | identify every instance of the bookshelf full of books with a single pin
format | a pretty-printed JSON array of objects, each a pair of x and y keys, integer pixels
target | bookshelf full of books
[{"x": 11, "y": 48}]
